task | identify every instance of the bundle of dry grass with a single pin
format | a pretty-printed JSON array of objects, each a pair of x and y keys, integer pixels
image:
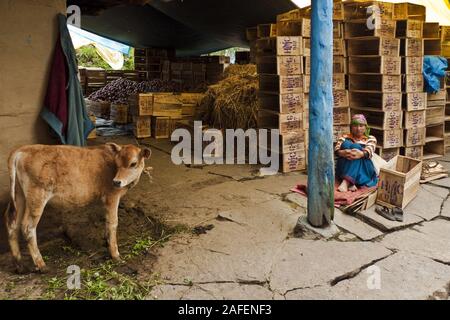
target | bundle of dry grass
[{"x": 232, "y": 103}]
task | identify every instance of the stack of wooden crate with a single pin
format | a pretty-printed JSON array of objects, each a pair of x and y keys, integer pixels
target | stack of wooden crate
[
  {"x": 409, "y": 29},
  {"x": 374, "y": 66},
  {"x": 445, "y": 40},
  {"x": 141, "y": 109},
  {"x": 190, "y": 103},
  {"x": 435, "y": 111},
  {"x": 95, "y": 80},
  {"x": 252, "y": 36},
  {"x": 151, "y": 60},
  {"x": 280, "y": 97}
]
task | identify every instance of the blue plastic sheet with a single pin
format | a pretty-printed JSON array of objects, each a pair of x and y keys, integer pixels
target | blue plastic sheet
[{"x": 433, "y": 71}]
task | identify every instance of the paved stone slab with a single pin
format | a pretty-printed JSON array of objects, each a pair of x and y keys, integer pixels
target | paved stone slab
[
  {"x": 241, "y": 248},
  {"x": 304, "y": 263},
  {"x": 384, "y": 224},
  {"x": 441, "y": 192},
  {"x": 427, "y": 203},
  {"x": 298, "y": 200},
  {"x": 228, "y": 291},
  {"x": 355, "y": 226},
  {"x": 442, "y": 182},
  {"x": 446, "y": 209},
  {"x": 235, "y": 172},
  {"x": 431, "y": 240},
  {"x": 402, "y": 276},
  {"x": 328, "y": 232},
  {"x": 279, "y": 184},
  {"x": 168, "y": 292}
]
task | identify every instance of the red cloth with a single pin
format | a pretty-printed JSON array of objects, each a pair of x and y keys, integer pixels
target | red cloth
[
  {"x": 56, "y": 96},
  {"x": 340, "y": 198}
]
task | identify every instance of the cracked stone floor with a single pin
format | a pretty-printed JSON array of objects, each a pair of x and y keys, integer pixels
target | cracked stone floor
[{"x": 252, "y": 252}]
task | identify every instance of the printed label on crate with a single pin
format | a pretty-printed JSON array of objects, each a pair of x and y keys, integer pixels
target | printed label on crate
[
  {"x": 414, "y": 47},
  {"x": 293, "y": 142},
  {"x": 290, "y": 122},
  {"x": 291, "y": 103},
  {"x": 415, "y": 119},
  {"x": 338, "y": 11},
  {"x": 414, "y": 29},
  {"x": 292, "y": 84},
  {"x": 338, "y": 64},
  {"x": 390, "y": 190},
  {"x": 341, "y": 116},
  {"x": 340, "y": 98},
  {"x": 391, "y": 65},
  {"x": 415, "y": 137},
  {"x": 388, "y": 154},
  {"x": 416, "y": 101},
  {"x": 289, "y": 46},
  {"x": 414, "y": 152},
  {"x": 414, "y": 65},
  {"x": 289, "y": 65},
  {"x": 393, "y": 119},
  {"x": 391, "y": 84},
  {"x": 338, "y": 47},
  {"x": 294, "y": 161},
  {"x": 389, "y": 47},
  {"x": 414, "y": 83},
  {"x": 339, "y": 131},
  {"x": 392, "y": 101},
  {"x": 338, "y": 81},
  {"x": 386, "y": 29},
  {"x": 393, "y": 139}
]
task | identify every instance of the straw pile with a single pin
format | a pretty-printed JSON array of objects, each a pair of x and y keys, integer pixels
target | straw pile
[{"x": 232, "y": 103}]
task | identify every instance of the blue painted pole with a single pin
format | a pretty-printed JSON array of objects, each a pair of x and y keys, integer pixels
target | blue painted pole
[{"x": 320, "y": 152}]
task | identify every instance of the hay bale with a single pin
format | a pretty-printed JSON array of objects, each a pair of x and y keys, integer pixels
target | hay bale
[{"x": 232, "y": 103}]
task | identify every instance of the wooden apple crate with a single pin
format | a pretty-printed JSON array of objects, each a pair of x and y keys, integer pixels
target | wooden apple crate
[
  {"x": 412, "y": 83},
  {"x": 284, "y": 103},
  {"x": 341, "y": 116},
  {"x": 299, "y": 27},
  {"x": 409, "y": 29},
  {"x": 141, "y": 104},
  {"x": 412, "y": 65},
  {"x": 414, "y": 101},
  {"x": 166, "y": 105},
  {"x": 376, "y": 100},
  {"x": 413, "y": 152},
  {"x": 375, "y": 65},
  {"x": 387, "y": 153},
  {"x": 375, "y": 83},
  {"x": 286, "y": 123},
  {"x": 339, "y": 131},
  {"x": 432, "y": 47},
  {"x": 340, "y": 98},
  {"x": 266, "y": 30},
  {"x": 359, "y": 29},
  {"x": 280, "y": 65},
  {"x": 374, "y": 47},
  {"x": 435, "y": 115},
  {"x": 411, "y": 47},
  {"x": 160, "y": 127},
  {"x": 431, "y": 30},
  {"x": 119, "y": 113},
  {"x": 404, "y": 11},
  {"x": 251, "y": 33},
  {"x": 388, "y": 139},
  {"x": 415, "y": 137},
  {"x": 142, "y": 126},
  {"x": 281, "y": 85},
  {"x": 399, "y": 182},
  {"x": 415, "y": 119},
  {"x": 280, "y": 46},
  {"x": 361, "y": 10}
]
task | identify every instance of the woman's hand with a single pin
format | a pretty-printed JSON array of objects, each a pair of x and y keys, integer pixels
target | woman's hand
[{"x": 353, "y": 154}]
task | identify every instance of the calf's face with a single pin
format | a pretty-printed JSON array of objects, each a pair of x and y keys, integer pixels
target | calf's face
[{"x": 130, "y": 162}]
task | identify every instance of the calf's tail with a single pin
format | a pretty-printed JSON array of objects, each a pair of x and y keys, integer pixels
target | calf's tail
[{"x": 11, "y": 211}]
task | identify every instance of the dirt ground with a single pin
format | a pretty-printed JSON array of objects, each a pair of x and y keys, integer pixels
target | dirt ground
[
  {"x": 223, "y": 232},
  {"x": 174, "y": 204}
]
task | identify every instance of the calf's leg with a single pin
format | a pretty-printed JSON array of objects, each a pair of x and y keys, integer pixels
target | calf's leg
[
  {"x": 112, "y": 207},
  {"x": 13, "y": 217}
]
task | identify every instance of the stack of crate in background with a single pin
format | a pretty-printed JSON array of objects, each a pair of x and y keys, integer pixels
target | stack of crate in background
[
  {"x": 435, "y": 111},
  {"x": 151, "y": 60},
  {"x": 374, "y": 66},
  {"x": 252, "y": 36},
  {"x": 409, "y": 29},
  {"x": 95, "y": 79},
  {"x": 445, "y": 41},
  {"x": 281, "y": 101},
  {"x": 190, "y": 103},
  {"x": 141, "y": 108}
]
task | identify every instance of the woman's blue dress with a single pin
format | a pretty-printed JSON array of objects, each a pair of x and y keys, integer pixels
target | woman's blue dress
[{"x": 360, "y": 172}]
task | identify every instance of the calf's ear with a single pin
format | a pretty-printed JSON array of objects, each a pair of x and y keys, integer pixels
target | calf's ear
[
  {"x": 115, "y": 148},
  {"x": 146, "y": 153}
]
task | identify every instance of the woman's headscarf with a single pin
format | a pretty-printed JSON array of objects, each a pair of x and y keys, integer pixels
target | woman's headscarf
[{"x": 358, "y": 119}]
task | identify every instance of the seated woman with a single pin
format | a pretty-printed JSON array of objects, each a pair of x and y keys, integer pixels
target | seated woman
[{"x": 354, "y": 166}]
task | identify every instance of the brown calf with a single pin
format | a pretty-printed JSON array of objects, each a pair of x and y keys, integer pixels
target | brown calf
[{"x": 68, "y": 176}]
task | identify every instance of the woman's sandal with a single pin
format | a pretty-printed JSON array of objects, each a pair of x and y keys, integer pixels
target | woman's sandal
[{"x": 385, "y": 212}]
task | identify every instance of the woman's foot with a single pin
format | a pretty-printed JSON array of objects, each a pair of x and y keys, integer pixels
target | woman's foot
[
  {"x": 353, "y": 188},
  {"x": 343, "y": 186}
]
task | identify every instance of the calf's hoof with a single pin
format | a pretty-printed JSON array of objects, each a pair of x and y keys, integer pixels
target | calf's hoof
[
  {"x": 21, "y": 268},
  {"x": 118, "y": 259},
  {"x": 42, "y": 269}
]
